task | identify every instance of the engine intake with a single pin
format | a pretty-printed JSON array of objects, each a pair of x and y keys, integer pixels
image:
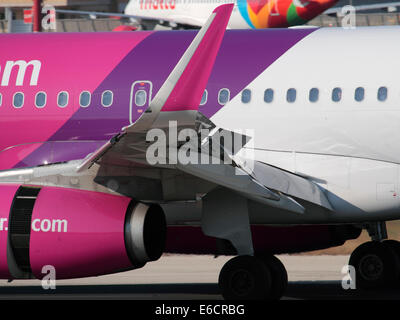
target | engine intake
[{"x": 145, "y": 232}]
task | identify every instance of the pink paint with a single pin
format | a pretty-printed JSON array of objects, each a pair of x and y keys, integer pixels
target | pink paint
[
  {"x": 92, "y": 241},
  {"x": 85, "y": 64},
  {"x": 7, "y": 193},
  {"x": 9, "y": 156},
  {"x": 190, "y": 87}
]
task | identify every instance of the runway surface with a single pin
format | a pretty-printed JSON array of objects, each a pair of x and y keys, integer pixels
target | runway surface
[{"x": 194, "y": 277}]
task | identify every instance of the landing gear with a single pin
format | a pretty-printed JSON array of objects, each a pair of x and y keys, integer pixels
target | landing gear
[
  {"x": 253, "y": 278},
  {"x": 376, "y": 265},
  {"x": 395, "y": 246},
  {"x": 279, "y": 276}
]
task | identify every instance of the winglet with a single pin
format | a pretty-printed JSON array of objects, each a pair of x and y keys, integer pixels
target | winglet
[
  {"x": 184, "y": 87},
  {"x": 189, "y": 88}
]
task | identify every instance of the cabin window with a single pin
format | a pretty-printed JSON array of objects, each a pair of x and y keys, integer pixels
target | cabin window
[
  {"x": 107, "y": 98},
  {"x": 359, "y": 94},
  {"x": 382, "y": 93},
  {"x": 314, "y": 95},
  {"x": 40, "y": 99},
  {"x": 140, "y": 98},
  {"x": 62, "y": 99},
  {"x": 18, "y": 100},
  {"x": 291, "y": 95},
  {"x": 1, "y": 99},
  {"x": 84, "y": 99},
  {"x": 336, "y": 94},
  {"x": 246, "y": 95},
  {"x": 223, "y": 96},
  {"x": 204, "y": 98},
  {"x": 268, "y": 95}
]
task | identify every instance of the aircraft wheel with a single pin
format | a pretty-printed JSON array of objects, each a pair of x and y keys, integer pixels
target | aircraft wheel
[
  {"x": 395, "y": 245},
  {"x": 376, "y": 265},
  {"x": 245, "y": 278},
  {"x": 279, "y": 276}
]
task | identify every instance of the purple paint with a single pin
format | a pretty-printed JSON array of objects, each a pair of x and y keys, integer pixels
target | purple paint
[{"x": 244, "y": 54}]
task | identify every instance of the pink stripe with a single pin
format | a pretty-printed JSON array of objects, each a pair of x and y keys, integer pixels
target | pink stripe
[
  {"x": 189, "y": 89},
  {"x": 81, "y": 65},
  {"x": 7, "y": 193}
]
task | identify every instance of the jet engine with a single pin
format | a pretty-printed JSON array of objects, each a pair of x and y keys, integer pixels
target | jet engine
[{"x": 79, "y": 233}]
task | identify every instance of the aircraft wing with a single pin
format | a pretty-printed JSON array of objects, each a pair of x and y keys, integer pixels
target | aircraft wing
[
  {"x": 176, "y": 106},
  {"x": 383, "y": 5}
]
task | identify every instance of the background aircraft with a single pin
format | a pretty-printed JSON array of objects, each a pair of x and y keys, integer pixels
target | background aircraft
[{"x": 254, "y": 14}]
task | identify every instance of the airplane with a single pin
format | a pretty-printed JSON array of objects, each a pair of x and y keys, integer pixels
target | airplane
[
  {"x": 118, "y": 147},
  {"x": 254, "y": 14},
  {"x": 247, "y": 14},
  {"x": 189, "y": 14}
]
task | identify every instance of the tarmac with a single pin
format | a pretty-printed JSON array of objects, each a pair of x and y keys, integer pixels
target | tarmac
[{"x": 190, "y": 277}]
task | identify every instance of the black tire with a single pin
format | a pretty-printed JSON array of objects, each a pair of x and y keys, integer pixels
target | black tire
[
  {"x": 376, "y": 265},
  {"x": 279, "y": 276},
  {"x": 245, "y": 278},
  {"x": 395, "y": 245}
]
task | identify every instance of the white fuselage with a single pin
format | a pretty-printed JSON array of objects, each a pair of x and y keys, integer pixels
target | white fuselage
[{"x": 349, "y": 148}]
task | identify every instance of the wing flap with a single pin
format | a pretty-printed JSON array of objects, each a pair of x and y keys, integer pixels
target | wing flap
[{"x": 240, "y": 182}]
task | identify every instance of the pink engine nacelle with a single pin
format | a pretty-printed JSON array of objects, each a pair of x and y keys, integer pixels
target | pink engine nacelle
[{"x": 79, "y": 233}]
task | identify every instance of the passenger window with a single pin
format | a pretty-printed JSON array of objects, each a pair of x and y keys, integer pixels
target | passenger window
[
  {"x": 382, "y": 93},
  {"x": 40, "y": 99},
  {"x": 204, "y": 98},
  {"x": 291, "y": 95},
  {"x": 359, "y": 94},
  {"x": 62, "y": 99},
  {"x": 107, "y": 98},
  {"x": 140, "y": 98},
  {"x": 336, "y": 94},
  {"x": 246, "y": 95},
  {"x": 268, "y": 95},
  {"x": 84, "y": 99},
  {"x": 1, "y": 99},
  {"x": 18, "y": 100},
  {"x": 223, "y": 96},
  {"x": 314, "y": 95}
]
